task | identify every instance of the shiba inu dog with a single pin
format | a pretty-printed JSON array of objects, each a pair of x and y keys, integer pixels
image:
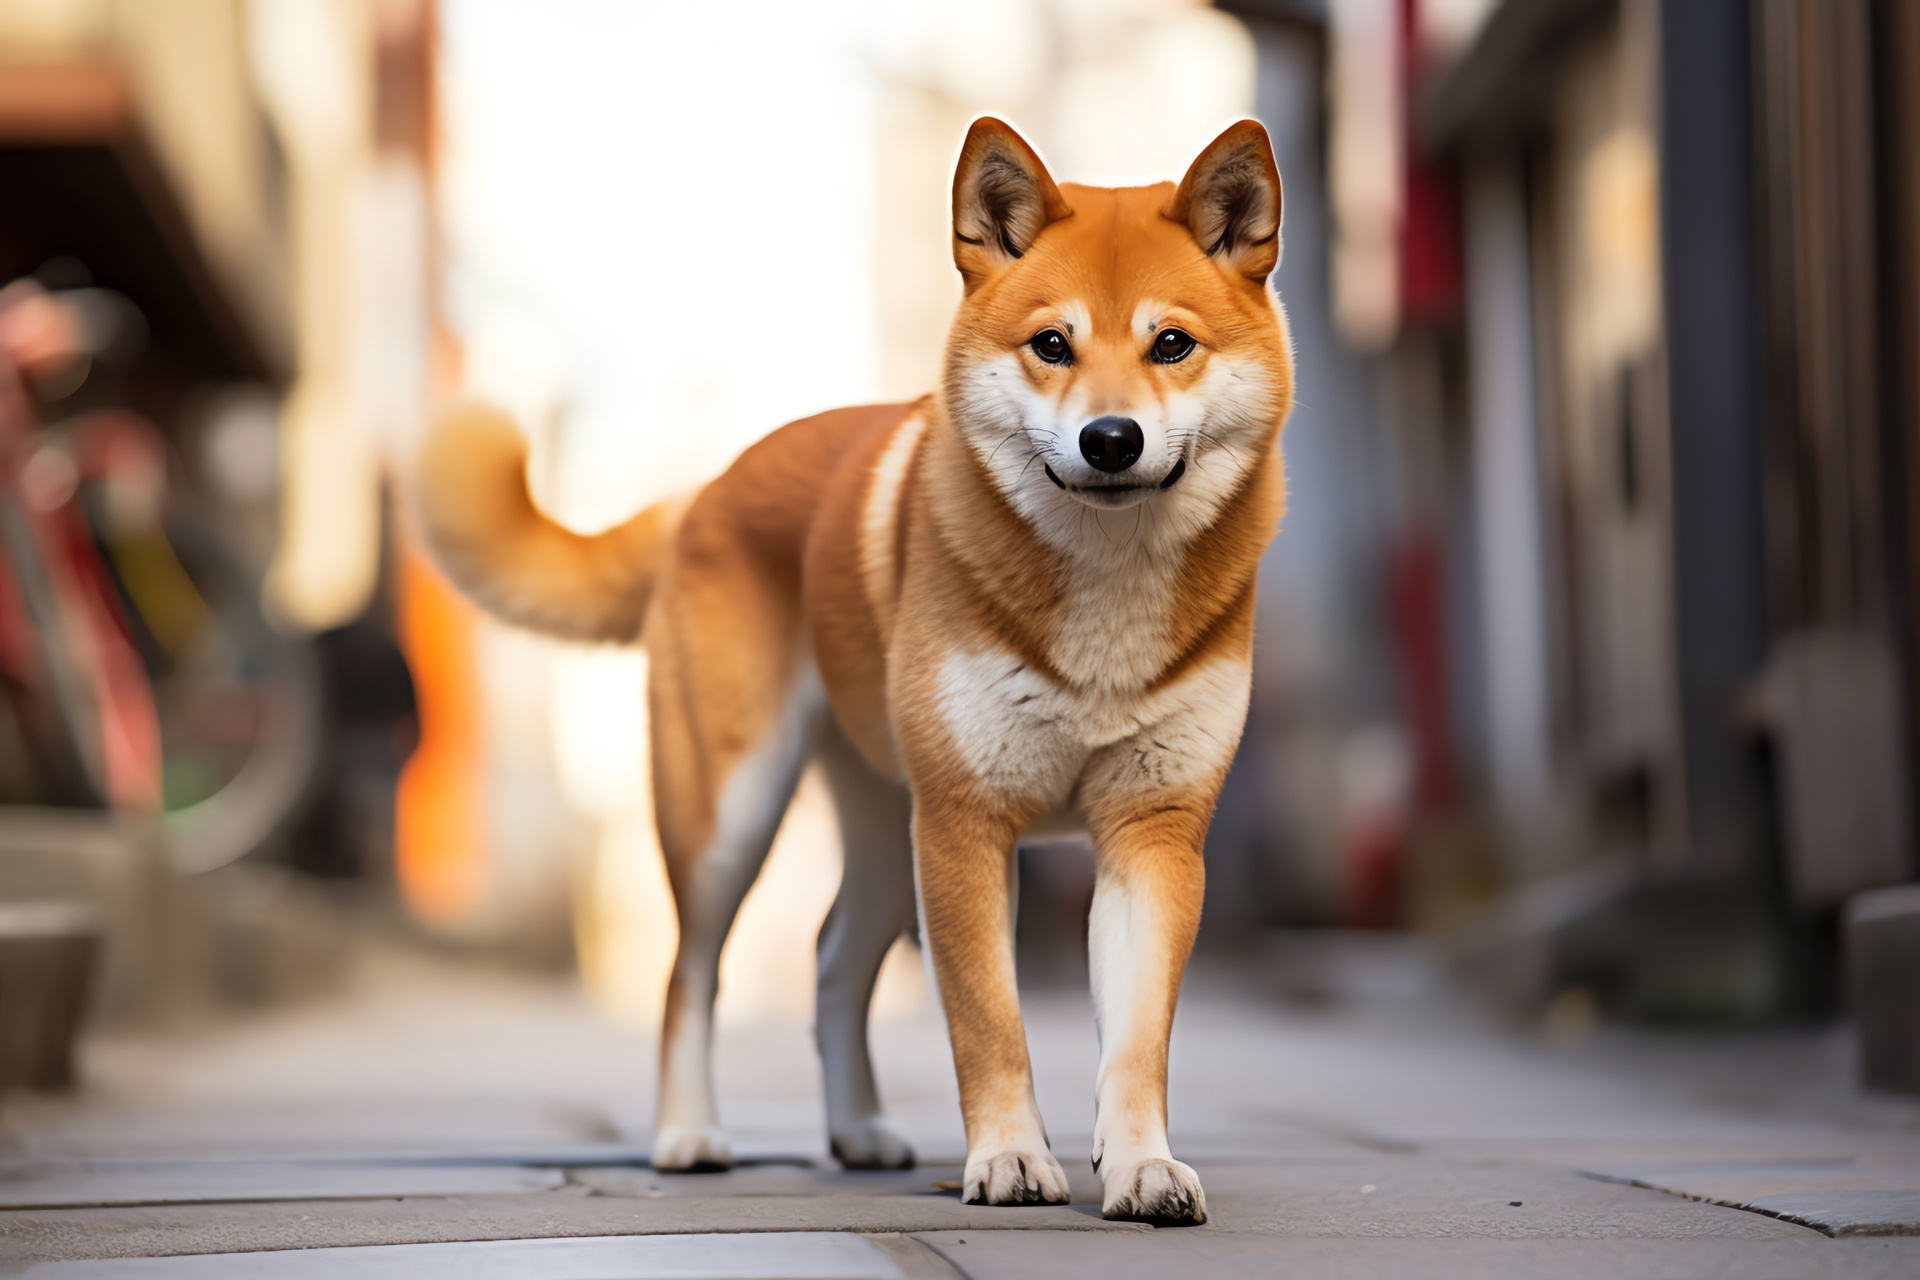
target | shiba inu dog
[{"x": 1028, "y": 594}]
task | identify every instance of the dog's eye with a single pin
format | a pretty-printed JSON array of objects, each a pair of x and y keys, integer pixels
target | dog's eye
[
  {"x": 1173, "y": 346},
  {"x": 1051, "y": 346}
]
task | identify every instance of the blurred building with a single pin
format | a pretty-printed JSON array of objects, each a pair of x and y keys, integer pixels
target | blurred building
[
  {"x": 1588, "y": 641},
  {"x": 228, "y": 200},
  {"x": 144, "y": 192},
  {"x": 139, "y": 159},
  {"x": 1633, "y": 288}
]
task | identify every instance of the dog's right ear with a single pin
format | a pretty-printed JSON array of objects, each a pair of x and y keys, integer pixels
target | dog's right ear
[{"x": 1003, "y": 198}]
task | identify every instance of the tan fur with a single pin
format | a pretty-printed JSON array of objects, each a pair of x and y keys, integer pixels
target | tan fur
[{"x": 979, "y": 614}]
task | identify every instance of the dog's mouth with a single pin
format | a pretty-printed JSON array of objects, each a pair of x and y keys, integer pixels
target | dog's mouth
[{"x": 1119, "y": 495}]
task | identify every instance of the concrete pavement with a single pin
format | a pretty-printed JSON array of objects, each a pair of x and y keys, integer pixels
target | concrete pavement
[{"x": 1380, "y": 1128}]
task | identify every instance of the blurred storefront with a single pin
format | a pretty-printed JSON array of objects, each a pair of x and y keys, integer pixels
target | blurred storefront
[{"x": 1633, "y": 286}]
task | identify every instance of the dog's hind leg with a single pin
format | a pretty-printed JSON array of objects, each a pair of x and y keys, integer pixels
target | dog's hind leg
[
  {"x": 720, "y": 791},
  {"x": 873, "y": 907}
]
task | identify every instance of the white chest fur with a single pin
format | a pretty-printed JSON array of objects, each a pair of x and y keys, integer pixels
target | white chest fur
[{"x": 1034, "y": 741}]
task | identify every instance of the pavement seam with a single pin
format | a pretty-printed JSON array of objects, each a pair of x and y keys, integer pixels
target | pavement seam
[
  {"x": 917, "y": 1259},
  {"x": 1761, "y": 1210}
]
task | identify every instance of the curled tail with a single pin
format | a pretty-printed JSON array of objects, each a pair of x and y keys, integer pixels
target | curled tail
[{"x": 501, "y": 550}]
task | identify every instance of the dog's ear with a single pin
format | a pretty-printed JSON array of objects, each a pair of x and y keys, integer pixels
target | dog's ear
[
  {"x": 1003, "y": 198},
  {"x": 1230, "y": 200}
]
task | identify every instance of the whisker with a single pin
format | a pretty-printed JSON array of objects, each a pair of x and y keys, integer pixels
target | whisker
[
  {"x": 1017, "y": 431},
  {"x": 1217, "y": 443}
]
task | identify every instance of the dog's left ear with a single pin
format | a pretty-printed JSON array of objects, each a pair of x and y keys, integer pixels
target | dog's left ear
[{"x": 1230, "y": 199}]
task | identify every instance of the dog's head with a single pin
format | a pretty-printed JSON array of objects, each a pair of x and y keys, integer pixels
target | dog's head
[{"x": 1117, "y": 346}]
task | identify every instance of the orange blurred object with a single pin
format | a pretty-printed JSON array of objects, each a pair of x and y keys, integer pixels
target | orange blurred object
[{"x": 440, "y": 838}]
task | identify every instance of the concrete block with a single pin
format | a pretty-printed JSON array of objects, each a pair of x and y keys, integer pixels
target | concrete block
[
  {"x": 1883, "y": 980},
  {"x": 47, "y": 955},
  {"x": 108, "y": 860},
  {"x": 1831, "y": 700}
]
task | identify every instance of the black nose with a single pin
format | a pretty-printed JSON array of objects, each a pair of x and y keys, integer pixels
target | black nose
[{"x": 1112, "y": 444}]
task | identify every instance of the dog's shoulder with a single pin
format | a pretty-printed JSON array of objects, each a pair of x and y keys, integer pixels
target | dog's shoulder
[{"x": 851, "y": 567}]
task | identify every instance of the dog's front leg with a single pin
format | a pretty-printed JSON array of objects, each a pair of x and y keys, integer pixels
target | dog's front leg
[
  {"x": 965, "y": 848},
  {"x": 1146, "y": 910},
  {"x": 1148, "y": 800}
]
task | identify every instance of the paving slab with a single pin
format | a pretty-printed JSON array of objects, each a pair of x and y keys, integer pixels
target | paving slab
[
  {"x": 1349, "y": 1139},
  {"x": 1859, "y": 1195},
  {"x": 1848, "y": 1213},
  {"x": 1365, "y": 1194},
  {"x": 784, "y": 1256},
  {"x": 81, "y": 1186},
  {"x": 1229, "y": 1256},
  {"x": 300, "y": 1126},
  {"x": 163, "y": 1230}
]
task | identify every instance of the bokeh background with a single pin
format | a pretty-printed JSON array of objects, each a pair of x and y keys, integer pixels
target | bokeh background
[{"x": 1586, "y": 650}]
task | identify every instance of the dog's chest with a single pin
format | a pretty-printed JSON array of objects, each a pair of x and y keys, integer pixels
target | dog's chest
[{"x": 1026, "y": 737}]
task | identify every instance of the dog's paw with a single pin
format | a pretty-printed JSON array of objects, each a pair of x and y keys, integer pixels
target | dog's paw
[
  {"x": 1015, "y": 1177},
  {"x": 871, "y": 1144},
  {"x": 684, "y": 1149},
  {"x": 1164, "y": 1193}
]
